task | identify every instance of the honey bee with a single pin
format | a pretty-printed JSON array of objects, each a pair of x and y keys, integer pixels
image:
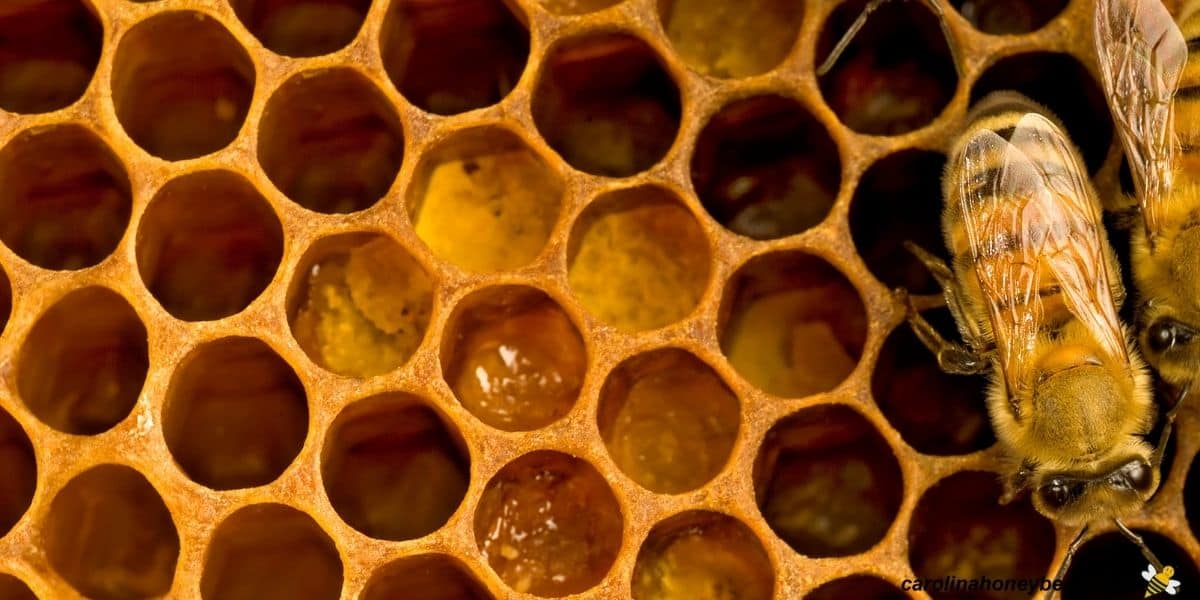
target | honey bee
[
  {"x": 1143, "y": 59},
  {"x": 1034, "y": 287}
]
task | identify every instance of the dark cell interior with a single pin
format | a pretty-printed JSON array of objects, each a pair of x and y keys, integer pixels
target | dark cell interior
[
  {"x": 899, "y": 199},
  {"x": 66, "y": 201},
  {"x": 895, "y": 76},
  {"x": 182, "y": 85},
  {"x": 393, "y": 468},
  {"x": 1004, "y": 17},
  {"x": 235, "y": 415},
  {"x": 270, "y": 552},
  {"x": 110, "y": 536},
  {"x": 827, "y": 483},
  {"x": 1191, "y": 496},
  {"x": 859, "y": 587},
  {"x": 302, "y": 27},
  {"x": 12, "y": 588},
  {"x": 765, "y": 168},
  {"x": 935, "y": 412},
  {"x": 1111, "y": 566},
  {"x": 1059, "y": 83},
  {"x": 50, "y": 52},
  {"x": 84, "y": 362},
  {"x": 451, "y": 56},
  {"x": 208, "y": 245},
  {"x": 437, "y": 576},
  {"x": 960, "y": 528},
  {"x": 330, "y": 141},
  {"x": 19, "y": 466},
  {"x": 606, "y": 104}
]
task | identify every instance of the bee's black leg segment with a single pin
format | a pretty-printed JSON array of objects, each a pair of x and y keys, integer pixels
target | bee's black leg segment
[
  {"x": 1141, "y": 544},
  {"x": 1161, "y": 448},
  {"x": 848, "y": 37},
  {"x": 937, "y": 11},
  {"x": 945, "y": 278},
  {"x": 1066, "y": 563},
  {"x": 952, "y": 357}
]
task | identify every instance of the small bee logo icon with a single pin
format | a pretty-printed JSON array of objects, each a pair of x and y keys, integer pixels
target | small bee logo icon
[{"x": 1160, "y": 582}]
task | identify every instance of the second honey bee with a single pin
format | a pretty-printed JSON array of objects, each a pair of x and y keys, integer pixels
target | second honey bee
[
  {"x": 1153, "y": 91},
  {"x": 1034, "y": 288}
]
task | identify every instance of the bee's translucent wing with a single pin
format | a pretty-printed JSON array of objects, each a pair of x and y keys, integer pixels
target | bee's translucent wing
[
  {"x": 1142, "y": 54},
  {"x": 1172, "y": 587},
  {"x": 1033, "y": 228},
  {"x": 1149, "y": 573}
]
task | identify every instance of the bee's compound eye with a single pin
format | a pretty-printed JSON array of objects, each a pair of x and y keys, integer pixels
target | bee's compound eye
[
  {"x": 1139, "y": 475},
  {"x": 1054, "y": 494},
  {"x": 1161, "y": 335}
]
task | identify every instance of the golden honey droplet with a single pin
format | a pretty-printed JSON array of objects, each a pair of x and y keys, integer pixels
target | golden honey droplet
[{"x": 522, "y": 372}]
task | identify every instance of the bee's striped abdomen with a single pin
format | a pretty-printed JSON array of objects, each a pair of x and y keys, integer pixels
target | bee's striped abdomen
[{"x": 1187, "y": 99}]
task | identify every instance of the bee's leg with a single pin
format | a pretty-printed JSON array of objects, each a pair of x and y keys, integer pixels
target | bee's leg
[
  {"x": 945, "y": 277},
  {"x": 1141, "y": 544},
  {"x": 848, "y": 37},
  {"x": 858, "y": 23},
  {"x": 1066, "y": 563},
  {"x": 1161, "y": 448},
  {"x": 952, "y": 357}
]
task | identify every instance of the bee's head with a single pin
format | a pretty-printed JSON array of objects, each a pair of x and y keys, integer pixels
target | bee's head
[
  {"x": 1168, "y": 315},
  {"x": 1076, "y": 497},
  {"x": 1170, "y": 345}
]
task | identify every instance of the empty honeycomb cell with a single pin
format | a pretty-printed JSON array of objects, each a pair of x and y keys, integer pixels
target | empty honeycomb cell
[
  {"x": 331, "y": 141},
  {"x": 765, "y": 168},
  {"x": 606, "y": 103},
  {"x": 731, "y": 40},
  {"x": 960, "y": 528},
  {"x": 110, "y": 536},
  {"x": 935, "y": 412},
  {"x": 393, "y": 468},
  {"x": 359, "y": 304},
  {"x": 83, "y": 364},
  {"x": 860, "y": 587},
  {"x": 897, "y": 200},
  {"x": 270, "y": 552},
  {"x": 1060, "y": 83},
  {"x": 181, "y": 84},
  {"x": 484, "y": 201},
  {"x": 1005, "y": 17},
  {"x": 637, "y": 259},
  {"x": 48, "y": 53},
  {"x": 12, "y": 588},
  {"x": 66, "y": 200},
  {"x": 897, "y": 74},
  {"x": 826, "y": 482},
  {"x": 208, "y": 245},
  {"x": 668, "y": 420},
  {"x": 702, "y": 555},
  {"x": 235, "y": 415},
  {"x": 548, "y": 524},
  {"x": 1110, "y": 566},
  {"x": 1191, "y": 496},
  {"x": 513, "y": 358},
  {"x": 577, "y": 7},
  {"x": 791, "y": 324},
  {"x": 437, "y": 576},
  {"x": 451, "y": 56},
  {"x": 19, "y": 467},
  {"x": 302, "y": 27}
]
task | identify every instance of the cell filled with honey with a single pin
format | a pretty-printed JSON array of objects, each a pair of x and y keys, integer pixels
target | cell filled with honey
[
  {"x": 513, "y": 358},
  {"x": 702, "y": 555}
]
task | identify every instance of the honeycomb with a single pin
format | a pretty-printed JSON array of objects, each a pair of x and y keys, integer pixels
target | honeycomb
[{"x": 499, "y": 299}]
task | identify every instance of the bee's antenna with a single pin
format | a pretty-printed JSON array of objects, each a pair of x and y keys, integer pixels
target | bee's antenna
[
  {"x": 840, "y": 48},
  {"x": 1066, "y": 563},
  {"x": 1141, "y": 544},
  {"x": 1161, "y": 448}
]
